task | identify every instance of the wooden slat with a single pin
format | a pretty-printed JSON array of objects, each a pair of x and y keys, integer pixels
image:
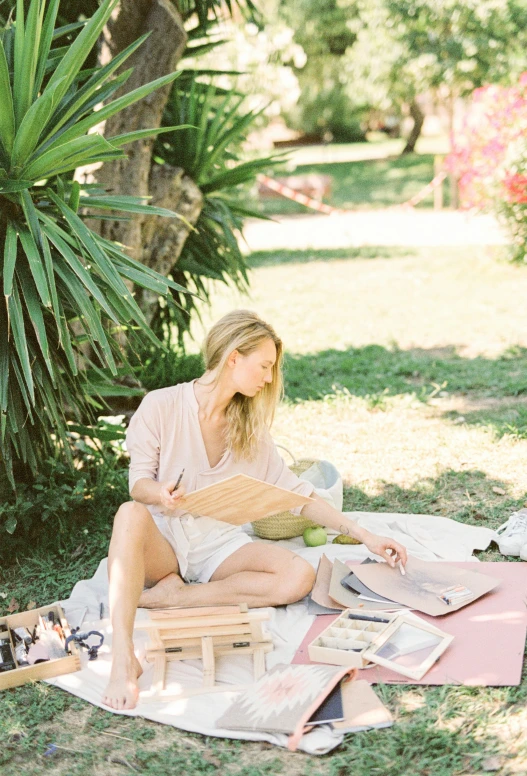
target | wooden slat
[
  {"x": 259, "y": 663},
  {"x": 174, "y": 612},
  {"x": 195, "y": 653},
  {"x": 218, "y": 630},
  {"x": 220, "y": 639},
  {"x": 158, "y": 680},
  {"x": 209, "y": 661},
  {"x": 196, "y": 622}
]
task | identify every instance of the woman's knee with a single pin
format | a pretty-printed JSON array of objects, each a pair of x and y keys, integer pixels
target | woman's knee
[
  {"x": 132, "y": 516},
  {"x": 296, "y": 582}
]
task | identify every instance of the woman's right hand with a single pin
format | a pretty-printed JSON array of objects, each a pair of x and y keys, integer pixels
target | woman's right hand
[{"x": 169, "y": 496}]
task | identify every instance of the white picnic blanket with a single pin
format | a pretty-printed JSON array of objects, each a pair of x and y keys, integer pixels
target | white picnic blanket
[{"x": 426, "y": 537}]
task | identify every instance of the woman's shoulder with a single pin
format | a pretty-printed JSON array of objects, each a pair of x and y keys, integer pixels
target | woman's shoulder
[{"x": 165, "y": 397}]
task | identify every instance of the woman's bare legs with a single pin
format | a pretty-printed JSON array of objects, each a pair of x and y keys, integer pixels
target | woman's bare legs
[
  {"x": 130, "y": 567},
  {"x": 139, "y": 555},
  {"x": 255, "y": 574}
]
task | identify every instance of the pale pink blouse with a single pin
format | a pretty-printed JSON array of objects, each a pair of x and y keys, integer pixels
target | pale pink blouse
[{"x": 164, "y": 437}]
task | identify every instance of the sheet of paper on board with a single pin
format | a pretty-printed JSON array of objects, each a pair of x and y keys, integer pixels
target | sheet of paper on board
[{"x": 424, "y": 580}]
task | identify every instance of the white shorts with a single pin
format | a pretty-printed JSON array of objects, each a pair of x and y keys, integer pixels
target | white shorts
[{"x": 210, "y": 543}]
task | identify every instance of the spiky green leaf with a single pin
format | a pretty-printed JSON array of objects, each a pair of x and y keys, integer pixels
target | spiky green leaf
[
  {"x": 10, "y": 247},
  {"x": 91, "y": 87},
  {"x": 141, "y": 134},
  {"x": 16, "y": 317},
  {"x": 31, "y": 126},
  {"x": 36, "y": 265},
  {"x": 7, "y": 115},
  {"x": 26, "y": 63},
  {"x": 46, "y": 40},
  {"x": 69, "y": 155},
  {"x": 71, "y": 63},
  {"x": 35, "y": 316},
  {"x": 81, "y": 127}
]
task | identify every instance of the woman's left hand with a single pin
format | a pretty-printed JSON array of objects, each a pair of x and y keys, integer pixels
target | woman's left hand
[{"x": 389, "y": 549}]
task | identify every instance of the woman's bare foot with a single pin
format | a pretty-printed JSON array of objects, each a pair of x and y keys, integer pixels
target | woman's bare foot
[
  {"x": 122, "y": 690},
  {"x": 165, "y": 593}
]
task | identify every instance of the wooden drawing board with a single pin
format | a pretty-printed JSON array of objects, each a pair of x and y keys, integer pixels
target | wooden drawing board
[{"x": 241, "y": 499}]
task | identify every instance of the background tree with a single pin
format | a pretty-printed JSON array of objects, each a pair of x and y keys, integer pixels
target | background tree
[
  {"x": 326, "y": 32},
  {"x": 445, "y": 47}
]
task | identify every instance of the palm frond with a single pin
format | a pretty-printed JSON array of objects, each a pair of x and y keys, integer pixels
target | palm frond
[{"x": 67, "y": 289}]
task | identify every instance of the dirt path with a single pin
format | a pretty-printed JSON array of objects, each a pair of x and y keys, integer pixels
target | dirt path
[{"x": 374, "y": 227}]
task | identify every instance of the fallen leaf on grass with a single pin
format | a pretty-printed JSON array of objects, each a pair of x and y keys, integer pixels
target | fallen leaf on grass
[
  {"x": 78, "y": 551},
  {"x": 31, "y": 605},
  {"x": 13, "y": 606},
  {"x": 492, "y": 764},
  {"x": 499, "y": 491}
]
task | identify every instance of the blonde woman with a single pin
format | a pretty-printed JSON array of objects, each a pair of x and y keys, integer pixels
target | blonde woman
[{"x": 211, "y": 428}]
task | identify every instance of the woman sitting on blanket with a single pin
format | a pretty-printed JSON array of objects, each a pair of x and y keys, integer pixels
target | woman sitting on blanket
[{"x": 213, "y": 428}]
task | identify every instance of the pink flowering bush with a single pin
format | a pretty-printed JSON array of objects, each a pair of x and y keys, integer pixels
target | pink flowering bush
[{"x": 489, "y": 157}]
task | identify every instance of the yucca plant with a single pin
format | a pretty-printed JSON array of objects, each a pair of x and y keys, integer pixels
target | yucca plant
[
  {"x": 211, "y": 155},
  {"x": 67, "y": 290}
]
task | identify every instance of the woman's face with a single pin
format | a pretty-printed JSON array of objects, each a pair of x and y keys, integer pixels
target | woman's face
[{"x": 250, "y": 373}]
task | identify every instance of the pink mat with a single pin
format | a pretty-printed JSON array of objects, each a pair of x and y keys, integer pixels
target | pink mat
[{"x": 489, "y": 635}]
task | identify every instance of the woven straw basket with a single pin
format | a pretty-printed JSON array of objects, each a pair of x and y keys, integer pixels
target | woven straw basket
[{"x": 286, "y": 525}]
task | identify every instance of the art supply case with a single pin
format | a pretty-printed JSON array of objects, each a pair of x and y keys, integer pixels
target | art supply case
[
  {"x": 54, "y": 667},
  {"x": 359, "y": 643}
]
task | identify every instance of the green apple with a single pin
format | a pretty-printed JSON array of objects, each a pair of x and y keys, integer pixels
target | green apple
[{"x": 314, "y": 537}]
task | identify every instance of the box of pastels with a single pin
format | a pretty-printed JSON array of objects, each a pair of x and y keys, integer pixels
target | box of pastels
[
  {"x": 400, "y": 641},
  {"x": 33, "y": 646}
]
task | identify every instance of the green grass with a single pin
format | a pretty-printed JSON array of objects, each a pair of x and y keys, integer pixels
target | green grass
[
  {"x": 407, "y": 368},
  {"x": 364, "y": 184},
  {"x": 375, "y": 371}
]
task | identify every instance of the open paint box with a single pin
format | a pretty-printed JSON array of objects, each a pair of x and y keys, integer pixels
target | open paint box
[{"x": 401, "y": 642}]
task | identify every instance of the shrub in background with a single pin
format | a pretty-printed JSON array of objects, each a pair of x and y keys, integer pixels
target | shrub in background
[
  {"x": 72, "y": 504},
  {"x": 490, "y": 158}
]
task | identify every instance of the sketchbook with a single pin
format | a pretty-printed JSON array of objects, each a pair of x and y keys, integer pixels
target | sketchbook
[{"x": 241, "y": 499}]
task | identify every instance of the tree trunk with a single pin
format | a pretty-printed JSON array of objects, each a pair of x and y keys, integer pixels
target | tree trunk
[
  {"x": 138, "y": 175},
  {"x": 418, "y": 116},
  {"x": 164, "y": 238}
]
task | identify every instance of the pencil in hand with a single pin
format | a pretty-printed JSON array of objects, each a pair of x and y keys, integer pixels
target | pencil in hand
[{"x": 178, "y": 482}]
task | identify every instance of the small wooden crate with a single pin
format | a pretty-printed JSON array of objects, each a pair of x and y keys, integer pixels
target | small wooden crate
[
  {"x": 336, "y": 643},
  {"x": 55, "y": 667},
  {"x": 351, "y": 641},
  {"x": 204, "y": 632}
]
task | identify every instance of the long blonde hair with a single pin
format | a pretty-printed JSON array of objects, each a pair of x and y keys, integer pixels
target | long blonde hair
[{"x": 247, "y": 416}]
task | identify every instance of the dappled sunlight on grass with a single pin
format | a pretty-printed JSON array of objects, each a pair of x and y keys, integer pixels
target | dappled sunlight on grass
[{"x": 378, "y": 371}]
